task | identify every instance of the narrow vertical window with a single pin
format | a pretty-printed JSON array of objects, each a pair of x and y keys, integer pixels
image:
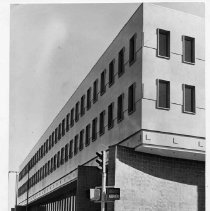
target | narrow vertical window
[
  {"x": 56, "y": 135},
  {"x": 103, "y": 82},
  {"x": 131, "y": 98},
  {"x": 53, "y": 138},
  {"x": 58, "y": 159},
  {"x": 51, "y": 163},
  {"x": 101, "y": 125},
  {"x": 50, "y": 142},
  {"x": 95, "y": 91},
  {"x": 72, "y": 117},
  {"x": 75, "y": 144},
  {"x": 88, "y": 98},
  {"x": 66, "y": 152},
  {"x": 77, "y": 112},
  {"x": 120, "y": 108},
  {"x": 94, "y": 129},
  {"x": 59, "y": 132},
  {"x": 71, "y": 149},
  {"x": 87, "y": 136},
  {"x": 121, "y": 62},
  {"x": 63, "y": 127},
  {"x": 110, "y": 116},
  {"x": 188, "y": 49},
  {"x": 48, "y": 167},
  {"x": 82, "y": 105},
  {"x": 189, "y": 99},
  {"x": 62, "y": 155},
  {"x": 67, "y": 122},
  {"x": 163, "y": 94},
  {"x": 132, "y": 49},
  {"x": 81, "y": 137},
  {"x": 163, "y": 43},
  {"x": 111, "y": 73},
  {"x": 55, "y": 159},
  {"x": 47, "y": 145}
]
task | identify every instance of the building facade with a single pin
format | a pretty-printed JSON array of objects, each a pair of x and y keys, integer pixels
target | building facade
[{"x": 144, "y": 103}]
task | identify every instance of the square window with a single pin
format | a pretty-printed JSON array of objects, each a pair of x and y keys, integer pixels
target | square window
[
  {"x": 163, "y": 94},
  {"x": 188, "y": 49},
  {"x": 189, "y": 99},
  {"x": 163, "y": 43}
]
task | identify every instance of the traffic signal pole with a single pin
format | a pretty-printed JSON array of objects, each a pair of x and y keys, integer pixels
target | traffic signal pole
[{"x": 103, "y": 182}]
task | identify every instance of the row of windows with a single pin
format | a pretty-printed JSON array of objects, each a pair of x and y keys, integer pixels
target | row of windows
[
  {"x": 164, "y": 46},
  {"x": 163, "y": 96},
  {"x": 77, "y": 144},
  {"x": 79, "y": 109}
]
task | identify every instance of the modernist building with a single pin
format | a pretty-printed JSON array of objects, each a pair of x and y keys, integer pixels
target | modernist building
[{"x": 144, "y": 103}]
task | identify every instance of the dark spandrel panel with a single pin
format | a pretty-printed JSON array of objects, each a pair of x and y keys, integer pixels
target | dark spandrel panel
[
  {"x": 189, "y": 99},
  {"x": 164, "y": 94}
]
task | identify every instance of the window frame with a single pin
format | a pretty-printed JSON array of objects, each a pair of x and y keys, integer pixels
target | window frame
[
  {"x": 82, "y": 105},
  {"x": 194, "y": 99},
  {"x": 81, "y": 140},
  {"x": 130, "y": 111},
  {"x": 121, "y": 64},
  {"x": 95, "y": 91},
  {"x": 76, "y": 138},
  {"x": 103, "y": 85},
  {"x": 120, "y": 111},
  {"x": 94, "y": 129},
  {"x": 184, "y": 38},
  {"x": 87, "y": 135},
  {"x": 102, "y": 123},
  {"x": 111, "y": 119},
  {"x": 132, "y": 59},
  {"x": 88, "y": 101},
  {"x": 158, "y": 95},
  {"x": 168, "y": 43},
  {"x": 112, "y": 71},
  {"x": 77, "y": 112}
]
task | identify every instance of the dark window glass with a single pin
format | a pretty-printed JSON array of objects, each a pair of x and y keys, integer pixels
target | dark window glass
[
  {"x": 120, "y": 107},
  {"x": 164, "y": 94},
  {"x": 82, "y": 105},
  {"x": 50, "y": 142},
  {"x": 67, "y": 122},
  {"x": 131, "y": 98},
  {"x": 95, "y": 91},
  {"x": 66, "y": 152},
  {"x": 189, "y": 99},
  {"x": 56, "y": 135},
  {"x": 71, "y": 149},
  {"x": 87, "y": 137},
  {"x": 58, "y": 159},
  {"x": 63, "y": 127},
  {"x": 121, "y": 62},
  {"x": 81, "y": 137},
  {"x": 75, "y": 144},
  {"x": 77, "y": 112},
  {"x": 48, "y": 167},
  {"x": 53, "y": 138},
  {"x": 101, "y": 125},
  {"x": 132, "y": 49},
  {"x": 51, "y": 165},
  {"x": 189, "y": 49},
  {"x": 94, "y": 129},
  {"x": 72, "y": 117},
  {"x": 62, "y": 155},
  {"x": 103, "y": 82},
  {"x": 59, "y": 132},
  {"x": 43, "y": 153},
  {"x": 164, "y": 43},
  {"x": 88, "y": 98},
  {"x": 111, "y": 73},
  {"x": 55, "y": 159},
  {"x": 45, "y": 169},
  {"x": 110, "y": 116}
]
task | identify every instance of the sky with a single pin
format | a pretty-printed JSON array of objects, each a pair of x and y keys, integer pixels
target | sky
[{"x": 52, "y": 48}]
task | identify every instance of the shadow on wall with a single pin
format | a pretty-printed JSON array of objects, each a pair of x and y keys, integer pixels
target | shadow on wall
[{"x": 187, "y": 172}]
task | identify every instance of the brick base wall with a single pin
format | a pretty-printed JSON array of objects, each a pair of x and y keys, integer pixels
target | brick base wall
[{"x": 151, "y": 182}]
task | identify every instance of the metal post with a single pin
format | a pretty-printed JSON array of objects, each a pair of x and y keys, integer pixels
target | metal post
[{"x": 103, "y": 182}]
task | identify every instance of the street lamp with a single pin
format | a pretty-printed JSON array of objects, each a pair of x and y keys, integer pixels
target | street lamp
[{"x": 14, "y": 172}]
